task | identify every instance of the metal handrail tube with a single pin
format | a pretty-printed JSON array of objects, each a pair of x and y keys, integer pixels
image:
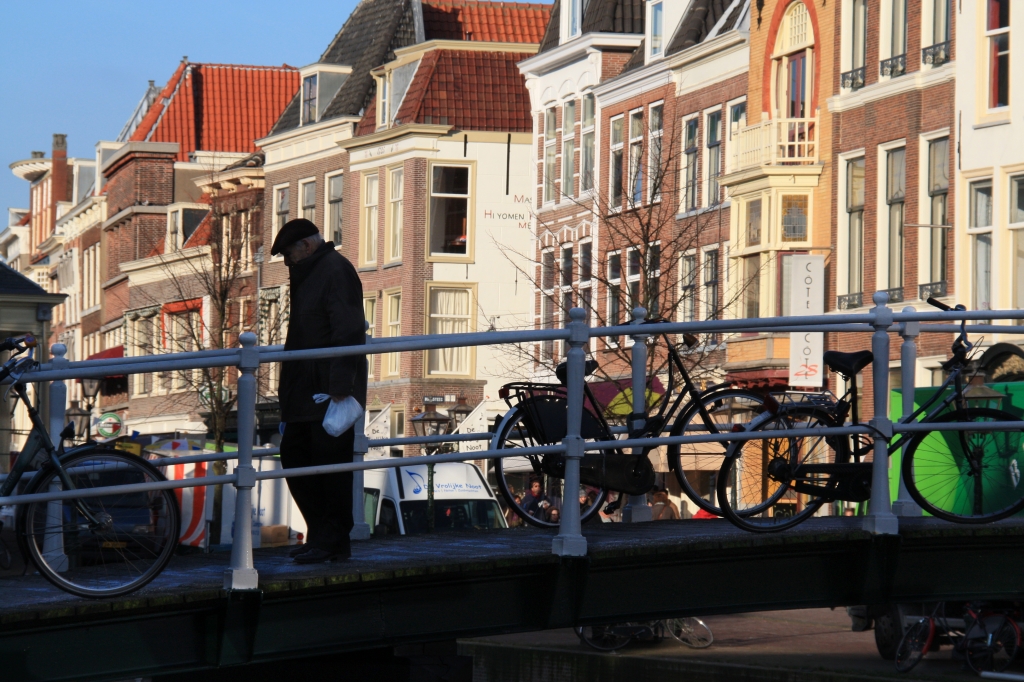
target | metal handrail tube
[
  {"x": 726, "y": 437},
  {"x": 143, "y": 359}
]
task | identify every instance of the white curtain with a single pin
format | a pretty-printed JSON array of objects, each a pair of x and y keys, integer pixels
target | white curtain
[{"x": 449, "y": 314}]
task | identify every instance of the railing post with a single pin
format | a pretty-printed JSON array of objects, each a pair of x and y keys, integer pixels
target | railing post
[
  {"x": 360, "y": 526},
  {"x": 58, "y": 394},
  {"x": 904, "y": 504},
  {"x": 570, "y": 540},
  {"x": 638, "y": 510},
  {"x": 241, "y": 575},
  {"x": 880, "y": 519}
]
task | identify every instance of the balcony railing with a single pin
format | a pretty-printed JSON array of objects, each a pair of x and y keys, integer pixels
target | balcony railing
[
  {"x": 895, "y": 295},
  {"x": 853, "y": 80},
  {"x": 850, "y": 301},
  {"x": 776, "y": 142},
  {"x": 894, "y": 66},
  {"x": 932, "y": 290},
  {"x": 937, "y": 54}
]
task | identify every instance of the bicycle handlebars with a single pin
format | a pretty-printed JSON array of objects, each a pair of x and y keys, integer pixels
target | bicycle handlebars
[{"x": 18, "y": 343}]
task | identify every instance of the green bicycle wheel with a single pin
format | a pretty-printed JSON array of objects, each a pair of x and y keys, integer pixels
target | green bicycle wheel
[{"x": 967, "y": 476}]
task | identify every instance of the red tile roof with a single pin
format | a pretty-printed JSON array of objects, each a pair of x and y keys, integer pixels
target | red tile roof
[
  {"x": 468, "y": 90},
  {"x": 202, "y": 235},
  {"x": 481, "y": 20},
  {"x": 218, "y": 107}
]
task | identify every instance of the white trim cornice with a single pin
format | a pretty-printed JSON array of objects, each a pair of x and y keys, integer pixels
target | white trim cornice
[
  {"x": 578, "y": 49},
  {"x": 917, "y": 80},
  {"x": 301, "y": 133}
]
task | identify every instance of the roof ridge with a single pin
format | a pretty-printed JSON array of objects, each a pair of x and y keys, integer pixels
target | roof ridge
[{"x": 259, "y": 67}]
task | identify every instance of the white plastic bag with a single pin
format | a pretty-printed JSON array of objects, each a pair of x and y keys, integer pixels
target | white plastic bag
[{"x": 341, "y": 414}]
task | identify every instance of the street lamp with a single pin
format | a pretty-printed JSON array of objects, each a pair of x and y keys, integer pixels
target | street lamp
[
  {"x": 459, "y": 413},
  {"x": 80, "y": 417},
  {"x": 980, "y": 395},
  {"x": 431, "y": 423},
  {"x": 90, "y": 389}
]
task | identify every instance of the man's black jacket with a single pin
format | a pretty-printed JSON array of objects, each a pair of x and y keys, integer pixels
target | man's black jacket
[{"x": 326, "y": 310}]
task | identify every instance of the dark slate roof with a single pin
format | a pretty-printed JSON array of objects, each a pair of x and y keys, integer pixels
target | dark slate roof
[
  {"x": 13, "y": 282},
  {"x": 701, "y": 17},
  {"x": 636, "y": 60},
  {"x": 369, "y": 37},
  {"x": 600, "y": 16}
]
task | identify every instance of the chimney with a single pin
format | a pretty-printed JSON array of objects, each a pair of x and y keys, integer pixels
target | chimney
[
  {"x": 60, "y": 187},
  {"x": 38, "y": 155}
]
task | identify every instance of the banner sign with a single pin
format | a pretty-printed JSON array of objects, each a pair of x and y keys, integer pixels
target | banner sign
[
  {"x": 807, "y": 297},
  {"x": 379, "y": 427}
]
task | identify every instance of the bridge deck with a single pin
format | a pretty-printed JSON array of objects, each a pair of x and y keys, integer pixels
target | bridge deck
[{"x": 446, "y": 585}]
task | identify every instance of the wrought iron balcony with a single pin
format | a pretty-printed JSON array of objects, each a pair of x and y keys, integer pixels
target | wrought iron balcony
[
  {"x": 853, "y": 80},
  {"x": 850, "y": 301},
  {"x": 937, "y": 54},
  {"x": 895, "y": 295},
  {"x": 933, "y": 290},
  {"x": 894, "y": 66}
]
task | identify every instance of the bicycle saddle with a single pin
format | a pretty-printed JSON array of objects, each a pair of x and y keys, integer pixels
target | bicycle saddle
[
  {"x": 847, "y": 364},
  {"x": 562, "y": 370}
]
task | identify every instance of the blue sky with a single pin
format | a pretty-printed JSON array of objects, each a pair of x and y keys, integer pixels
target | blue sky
[{"x": 80, "y": 67}]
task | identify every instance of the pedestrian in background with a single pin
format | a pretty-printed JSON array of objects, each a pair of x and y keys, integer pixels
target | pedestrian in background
[{"x": 326, "y": 310}]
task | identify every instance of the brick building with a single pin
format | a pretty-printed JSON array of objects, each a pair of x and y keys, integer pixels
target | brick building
[{"x": 410, "y": 152}]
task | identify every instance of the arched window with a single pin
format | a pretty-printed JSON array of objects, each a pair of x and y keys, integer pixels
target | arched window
[{"x": 793, "y": 65}]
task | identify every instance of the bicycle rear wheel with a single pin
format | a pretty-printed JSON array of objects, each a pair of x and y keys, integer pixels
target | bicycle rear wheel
[
  {"x": 696, "y": 464},
  {"x": 992, "y": 643},
  {"x": 967, "y": 476},
  {"x": 914, "y": 644},
  {"x": 515, "y": 475},
  {"x": 759, "y": 482},
  {"x": 693, "y": 632},
  {"x": 135, "y": 538}
]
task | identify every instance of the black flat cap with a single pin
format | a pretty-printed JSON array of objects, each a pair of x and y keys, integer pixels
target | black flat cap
[{"x": 293, "y": 231}]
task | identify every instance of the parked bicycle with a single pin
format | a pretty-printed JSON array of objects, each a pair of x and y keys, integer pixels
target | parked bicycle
[
  {"x": 987, "y": 639},
  {"x": 538, "y": 417},
  {"x": 969, "y": 476},
  {"x": 693, "y": 632},
  {"x": 92, "y": 546}
]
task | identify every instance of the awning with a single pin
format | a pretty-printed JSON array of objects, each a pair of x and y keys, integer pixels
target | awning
[{"x": 108, "y": 354}]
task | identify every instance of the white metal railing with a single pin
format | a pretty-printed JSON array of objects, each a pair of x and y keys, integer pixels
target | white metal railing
[
  {"x": 880, "y": 321},
  {"x": 774, "y": 142}
]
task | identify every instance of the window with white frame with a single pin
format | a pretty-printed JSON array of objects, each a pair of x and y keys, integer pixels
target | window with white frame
[
  {"x": 980, "y": 218},
  {"x": 938, "y": 194},
  {"x": 713, "y": 135},
  {"x": 394, "y": 329},
  {"x": 855, "y": 197},
  {"x": 449, "y": 210},
  {"x": 653, "y": 294},
  {"x": 1018, "y": 268},
  {"x": 690, "y": 150},
  {"x": 547, "y": 294},
  {"x": 568, "y": 147},
  {"x": 940, "y": 21},
  {"x": 235, "y": 243},
  {"x": 371, "y": 183},
  {"x": 656, "y": 131},
  {"x": 308, "y": 192},
  {"x": 634, "y": 274},
  {"x": 636, "y": 155},
  {"x": 688, "y": 287},
  {"x": 587, "y": 144},
  {"x": 450, "y": 313},
  {"x": 859, "y": 35},
  {"x": 997, "y": 35},
  {"x": 280, "y": 207},
  {"x": 396, "y": 213},
  {"x": 895, "y": 197},
  {"x": 382, "y": 113},
  {"x": 550, "y": 153},
  {"x": 711, "y": 284},
  {"x": 309, "y": 92},
  {"x": 182, "y": 224},
  {"x": 370, "y": 315},
  {"x": 335, "y": 198},
  {"x": 794, "y": 67},
  {"x": 566, "y": 271},
  {"x": 753, "y": 222},
  {"x": 794, "y": 217},
  {"x": 575, "y": 17},
  {"x": 1017, "y": 200},
  {"x": 614, "y": 272},
  {"x": 737, "y": 118},
  {"x": 586, "y": 277},
  {"x": 615, "y": 164},
  {"x": 752, "y": 286},
  {"x": 657, "y": 19},
  {"x": 182, "y": 335},
  {"x": 899, "y": 28},
  {"x": 566, "y": 266}
]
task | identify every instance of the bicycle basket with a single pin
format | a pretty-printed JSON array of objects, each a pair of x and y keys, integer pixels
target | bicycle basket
[{"x": 802, "y": 398}]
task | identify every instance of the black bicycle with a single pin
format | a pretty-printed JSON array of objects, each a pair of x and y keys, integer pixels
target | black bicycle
[
  {"x": 987, "y": 638},
  {"x": 532, "y": 485},
  {"x": 693, "y": 632},
  {"x": 102, "y": 546},
  {"x": 969, "y": 476}
]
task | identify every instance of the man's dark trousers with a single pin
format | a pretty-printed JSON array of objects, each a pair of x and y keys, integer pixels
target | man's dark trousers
[{"x": 325, "y": 500}]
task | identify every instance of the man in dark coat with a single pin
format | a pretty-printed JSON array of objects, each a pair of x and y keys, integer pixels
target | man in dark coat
[{"x": 326, "y": 310}]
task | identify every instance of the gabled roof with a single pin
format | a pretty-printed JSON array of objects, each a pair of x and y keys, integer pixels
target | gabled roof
[
  {"x": 600, "y": 16},
  {"x": 13, "y": 282},
  {"x": 503, "y": 22},
  {"x": 468, "y": 90},
  {"x": 217, "y": 107},
  {"x": 704, "y": 18}
]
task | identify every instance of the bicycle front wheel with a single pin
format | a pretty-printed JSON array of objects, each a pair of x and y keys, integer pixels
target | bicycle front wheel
[
  {"x": 693, "y": 632},
  {"x": 131, "y": 536},
  {"x": 696, "y": 464},
  {"x": 967, "y": 476},
  {"x": 992, "y": 644},
  {"x": 519, "y": 476},
  {"x": 776, "y": 482},
  {"x": 914, "y": 644}
]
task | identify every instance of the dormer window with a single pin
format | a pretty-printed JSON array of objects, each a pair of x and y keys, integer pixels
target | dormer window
[
  {"x": 382, "y": 118},
  {"x": 182, "y": 223},
  {"x": 657, "y": 28},
  {"x": 575, "y": 17},
  {"x": 309, "y": 92}
]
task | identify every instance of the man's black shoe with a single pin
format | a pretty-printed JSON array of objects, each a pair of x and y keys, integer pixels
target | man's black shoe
[
  {"x": 316, "y": 555},
  {"x": 299, "y": 549}
]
